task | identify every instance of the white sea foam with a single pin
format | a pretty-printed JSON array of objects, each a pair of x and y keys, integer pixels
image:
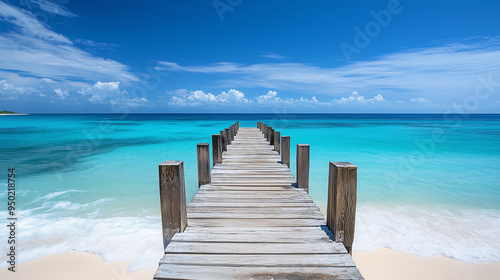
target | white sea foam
[
  {"x": 56, "y": 194},
  {"x": 135, "y": 239},
  {"x": 68, "y": 205},
  {"x": 469, "y": 235}
]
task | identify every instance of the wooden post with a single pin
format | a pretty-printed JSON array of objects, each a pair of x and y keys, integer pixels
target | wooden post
[
  {"x": 216, "y": 149},
  {"x": 203, "y": 164},
  {"x": 271, "y": 137},
  {"x": 265, "y": 131},
  {"x": 341, "y": 207},
  {"x": 285, "y": 150},
  {"x": 224, "y": 140},
  {"x": 258, "y": 125},
  {"x": 237, "y": 126},
  {"x": 231, "y": 129},
  {"x": 172, "y": 199},
  {"x": 303, "y": 166},
  {"x": 228, "y": 136},
  {"x": 277, "y": 141}
]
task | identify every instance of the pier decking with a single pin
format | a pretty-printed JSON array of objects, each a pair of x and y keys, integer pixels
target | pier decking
[{"x": 249, "y": 221}]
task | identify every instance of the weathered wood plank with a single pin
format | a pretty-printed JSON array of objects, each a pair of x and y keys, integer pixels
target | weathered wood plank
[
  {"x": 283, "y": 236},
  {"x": 252, "y": 230},
  {"x": 255, "y": 222},
  {"x": 254, "y": 248},
  {"x": 315, "y": 260},
  {"x": 171, "y": 271}
]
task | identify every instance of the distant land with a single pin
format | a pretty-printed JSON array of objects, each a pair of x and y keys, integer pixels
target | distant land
[{"x": 5, "y": 112}]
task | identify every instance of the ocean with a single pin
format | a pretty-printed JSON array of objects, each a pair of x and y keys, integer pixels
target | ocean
[{"x": 427, "y": 184}]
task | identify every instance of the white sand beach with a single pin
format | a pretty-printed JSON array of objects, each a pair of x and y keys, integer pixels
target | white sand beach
[{"x": 376, "y": 265}]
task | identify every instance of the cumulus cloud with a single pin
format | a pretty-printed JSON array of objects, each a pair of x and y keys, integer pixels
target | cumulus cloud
[
  {"x": 198, "y": 98},
  {"x": 425, "y": 102},
  {"x": 61, "y": 93},
  {"x": 47, "y": 80},
  {"x": 271, "y": 98},
  {"x": 109, "y": 92},
  {"x": 102, "y": 92},
  {"x": 420, "y": 100},
  {"x": 355, "y": 98},
  {"x": 11, "y": 91}
]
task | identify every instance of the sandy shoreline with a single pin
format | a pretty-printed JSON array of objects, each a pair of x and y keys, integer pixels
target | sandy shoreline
[
  {"x": 376, "y": 265},
  {"x": 14, "y": 114}
]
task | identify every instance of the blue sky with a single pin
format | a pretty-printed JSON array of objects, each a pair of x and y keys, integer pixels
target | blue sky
[{"x": 158, "y": 56}]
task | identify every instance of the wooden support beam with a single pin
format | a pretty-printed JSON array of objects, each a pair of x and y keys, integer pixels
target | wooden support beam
[
  {"x": 172, "y": 199},
  {"x": 277, "y": 141},
  {"x": 231, "y": 130},
  {"x": 265, "y": 131},
  {"x": 203, "y": 155},
  {"x": 216, "y": 149},
  {"x": 303, "y": 166},
  {"x": 224, "y": 140},
  {"x": 285, "y": 150},
  {"x": 341, "y": 207},
  {"x": 271, "y": 137}
]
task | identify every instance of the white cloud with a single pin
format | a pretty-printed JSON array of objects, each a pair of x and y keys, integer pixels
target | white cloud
[
  {"x": 90, "y": 43},
  {"x": 273, "y": 56},
  {"x": 448, "y": 69},
  {"x": 103, "y": 92},
  {"x": 110, "y": 93},
  {"x": 198, "y": 98},
  {"x": 181, "y": 92},
  {"x": 355, "y": 98},
  {"x": 53, "y": 8},
  {"x": 34, "y": 56},
  {"x": 11, "y": 91},
  {"x": 61, "y": 93},
  {"x": 28, "y": 24},
  {"x": 48, "y": 81},
  {"x": 271, "y": 98},
  {"x": 421, "y": 100}
]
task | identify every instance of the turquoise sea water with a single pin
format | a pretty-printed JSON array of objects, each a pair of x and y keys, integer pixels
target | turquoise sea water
[{"x": 427, "y": 184}]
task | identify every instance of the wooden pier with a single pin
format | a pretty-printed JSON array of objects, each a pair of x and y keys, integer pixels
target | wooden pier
[{"x": 251, "y": 219}]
